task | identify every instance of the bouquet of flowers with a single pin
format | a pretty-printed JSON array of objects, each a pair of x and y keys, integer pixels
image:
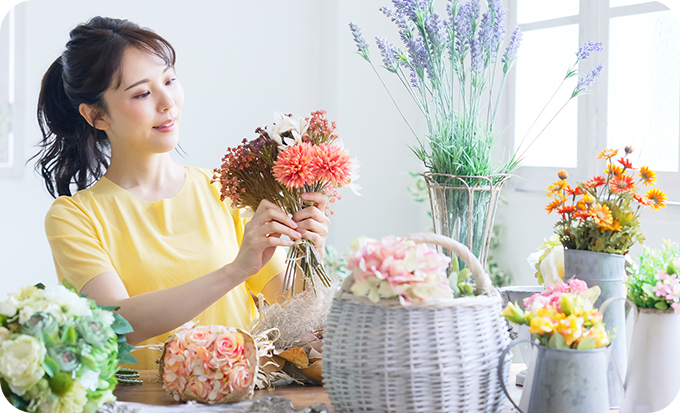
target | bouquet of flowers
[
  {"x": 398, "y": 267},
  {"x": 59, "y": 351},
  {"x": 654, "y": 283},
  {"x": 563, "y": 317},
  {"x": 209, "y": 364},
  {"x": 601, "y": 215},
  {"x": 289, "y": 158}
]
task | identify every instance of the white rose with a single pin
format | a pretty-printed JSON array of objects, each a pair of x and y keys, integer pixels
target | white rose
[
  {"x": 70, "y": 304},
  {"x": 8, "y": 308},
  {"x": 4, "y": 334},
  {"x": 552, "y": 267},
  {"x": 20, "y": 362},
  {"x": 283, "y": 124}
]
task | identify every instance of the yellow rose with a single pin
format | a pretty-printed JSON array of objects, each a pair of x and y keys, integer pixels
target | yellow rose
[
  {"x": 20, "y": 362},
  {"x": 541, "y": 325}
]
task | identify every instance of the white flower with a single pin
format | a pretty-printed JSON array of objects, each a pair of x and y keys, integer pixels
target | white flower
[
  {"x": 552, "y": 267},
  {"x": 69, "y": 303},
  {"x": 4, "y": 334},
  {"x": 8, "y": 308},
  {"x": 354, "y": 175},
  {"x": 283, "y": 124},
  {"x": 21, "y": 362},
  {"x": 89, "y": 379}
]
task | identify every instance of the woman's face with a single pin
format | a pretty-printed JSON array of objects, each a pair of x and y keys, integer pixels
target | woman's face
[{"x": 143, "y": 113}]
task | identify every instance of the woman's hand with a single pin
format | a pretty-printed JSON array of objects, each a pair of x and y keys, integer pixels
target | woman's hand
[
  {"x": 261, "y": 236},
  {"x": 312, "y": 223}
]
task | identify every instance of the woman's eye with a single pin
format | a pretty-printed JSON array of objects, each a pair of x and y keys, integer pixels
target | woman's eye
[
  {"x": 171, "y": 81},
  {"x": 143, "y": 95}
]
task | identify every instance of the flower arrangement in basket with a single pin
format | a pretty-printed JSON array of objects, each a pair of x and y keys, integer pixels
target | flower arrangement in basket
[
  {"x": 209, "y": 364},
  {"x": 396, "y": 339},
  {"x": 289, "y": 158},
  {"x": 654, "y": 282},
  {"x": 601, "y": 215},
  {"x": 562, "y": 317},
  {"x": 59, "y": 351}
]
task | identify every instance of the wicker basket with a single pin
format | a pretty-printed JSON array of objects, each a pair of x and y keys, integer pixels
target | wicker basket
[{"x": 437, "y": 356}]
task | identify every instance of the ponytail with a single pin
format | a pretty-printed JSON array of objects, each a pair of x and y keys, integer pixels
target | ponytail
[{"x": 71, "y": 150}]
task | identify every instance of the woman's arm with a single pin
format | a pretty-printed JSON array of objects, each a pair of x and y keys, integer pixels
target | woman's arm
[{"x": 160, "y": 311}]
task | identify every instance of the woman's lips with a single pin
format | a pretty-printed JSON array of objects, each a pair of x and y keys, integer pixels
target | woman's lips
[{"x": 167, "y": 126}]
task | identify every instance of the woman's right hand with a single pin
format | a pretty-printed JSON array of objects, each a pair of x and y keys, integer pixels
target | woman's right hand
[{"x": 261, "y": 236}]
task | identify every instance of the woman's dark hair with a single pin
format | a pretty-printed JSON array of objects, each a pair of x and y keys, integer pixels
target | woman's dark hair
[{"x": 72, "y": 151}]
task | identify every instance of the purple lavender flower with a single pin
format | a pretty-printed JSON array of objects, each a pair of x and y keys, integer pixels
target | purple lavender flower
[
  {"x": 485, "y": 37},
  {"x": 476, "y": 56},
  {"x": 584, "y": 82},
  {"x": 407, "y": 8},
  {"x": 511, "y": 51},
  {"x": 413, "y": 76},
  {"x": 588, "y": 48},
  {"x": 418, "y": 57},
  {"x": 387, "y": 50},
  {"x": 497, "y": 10},
  {"x": 433, "y": 28},
  {"x": 362, "y": 46},
  {"x": 463, "y": 29}
]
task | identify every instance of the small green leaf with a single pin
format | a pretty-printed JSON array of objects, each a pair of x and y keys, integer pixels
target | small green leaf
[
  {"x": 88, "y": 362},
  {"x": 558, "y": 342},
  {"x": 108, "y": 307},
  {"x": 40, "y": 286},
  {"x": 587, "y": 343},
  {"x": 648, "y": 289},
  {"x": 48, "y": 339},
  {"x": 3, "y": 320},
  {"x": 124, "y": 355},
  {"x": 463, "y": 276},
  {"x": 69, "y": 335},
  {"x": 661, "y": 305},
  {"x": 69, "y": 286},
  {"x": 121, "y": 325},
  {"x": 50, "y": 366}
]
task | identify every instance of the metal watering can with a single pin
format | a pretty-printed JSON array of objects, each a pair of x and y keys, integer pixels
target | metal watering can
[{"x": 563, "y": 381}]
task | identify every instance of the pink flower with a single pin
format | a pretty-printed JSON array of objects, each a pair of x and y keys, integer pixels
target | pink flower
[
  {"x": 200, "y": 388},
  {"x": 200, "y": 336},
  {"x": 229, "y": 346},
  {"x": 294, "y": 166},
  {"x": 577, "y": 286},
  {"x": 332, "y": 164},
  {"x": 240, "y": 376}
]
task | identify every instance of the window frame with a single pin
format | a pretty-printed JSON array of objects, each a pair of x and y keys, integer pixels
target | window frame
[{"x": 593, "y": 20}]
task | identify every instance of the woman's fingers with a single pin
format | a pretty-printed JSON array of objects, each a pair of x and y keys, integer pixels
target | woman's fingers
[{"x": 320, "y": 200}]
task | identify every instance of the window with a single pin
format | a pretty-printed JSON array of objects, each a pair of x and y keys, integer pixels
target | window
[
  {"x": 11, "y": 164},
  {"x": 636, "y": 101}
]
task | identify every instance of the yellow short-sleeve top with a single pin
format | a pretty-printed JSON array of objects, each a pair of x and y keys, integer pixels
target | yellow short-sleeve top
[{"x": 155, "y": 245}]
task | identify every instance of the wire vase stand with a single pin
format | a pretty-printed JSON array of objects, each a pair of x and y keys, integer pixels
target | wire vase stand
[{"x": 464, "y": 208}]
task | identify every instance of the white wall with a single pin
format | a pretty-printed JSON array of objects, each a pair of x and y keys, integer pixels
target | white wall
[{"x": 238, "y": 62}]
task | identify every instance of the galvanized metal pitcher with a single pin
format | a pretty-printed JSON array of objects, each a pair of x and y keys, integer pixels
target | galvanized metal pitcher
[{"x": 563, "y": 381}]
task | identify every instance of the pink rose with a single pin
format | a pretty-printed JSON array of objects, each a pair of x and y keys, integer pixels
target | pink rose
[
  {"x": 577, "y": 286},
  {"x": 200, "y": 388},
  {"x": 240, "y": 377},
  {"x": 229, "y": 346},
  {"x": 200, "y": 336}
]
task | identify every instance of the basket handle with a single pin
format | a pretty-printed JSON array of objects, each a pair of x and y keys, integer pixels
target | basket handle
[{"x": 482, "y": 279}]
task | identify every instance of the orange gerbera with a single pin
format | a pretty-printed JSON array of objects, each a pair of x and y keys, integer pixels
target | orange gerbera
[
  {"x": 657, "y": 198},
  {"x": 613, "y": 170},
  {"x": 581, "y": 214},
  {"x": 614, "y": 226},
  {"x": 608, "y": 153},
  {"x": 596, "y": 182},
  {"x": 626, "y": 163},
  {"x": 648, "y": 176},
  {"x": 601, "y": 214},
  {"x": 575, "y": 191},
  {"x": 621, "y": 184},
  {"x": 557, "y": 202},
  {"x": 556, "y": 187}
]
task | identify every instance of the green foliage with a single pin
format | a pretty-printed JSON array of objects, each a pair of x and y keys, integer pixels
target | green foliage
[{"x": 642, "y": 276}]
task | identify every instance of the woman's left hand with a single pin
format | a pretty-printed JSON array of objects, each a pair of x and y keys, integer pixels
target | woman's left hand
[{"x": 312, "y": 222}]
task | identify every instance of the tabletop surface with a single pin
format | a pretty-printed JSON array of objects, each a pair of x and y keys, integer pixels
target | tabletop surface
[{"x": 151, "y": 392}]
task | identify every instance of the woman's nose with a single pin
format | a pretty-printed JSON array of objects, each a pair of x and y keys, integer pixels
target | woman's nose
[{"x": 165, "y": 102}]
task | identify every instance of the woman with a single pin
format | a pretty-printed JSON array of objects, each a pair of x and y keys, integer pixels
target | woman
[{"x": 150, "y": 235}]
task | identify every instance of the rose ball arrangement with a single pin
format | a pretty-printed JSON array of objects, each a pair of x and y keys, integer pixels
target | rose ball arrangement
[
  {"x": 563, "y": 317},
  {"x": 209, "y": 364},
  {"x": 59, "y": 351},
  {"x": 398, "y": 267}
]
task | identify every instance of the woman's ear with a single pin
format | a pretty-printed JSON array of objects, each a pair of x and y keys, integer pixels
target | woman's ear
[{"x": 93, "y": 116}]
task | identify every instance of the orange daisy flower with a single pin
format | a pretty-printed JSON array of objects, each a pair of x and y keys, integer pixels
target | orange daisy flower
[
  {"x": 621, "y": 184},
  {"x": 557, "y": 202},
  {"x": 657, "y": 198},
  {"x": 575, "y": 191},
  {"x": 601, "y": 214},
  {"x": 648, "y": 176},
  {"x": 641, "y": 200},
  {"x": 614, "y": 226},
  {"x": 588, "y": 199},
  {"x": 608, "y": 153},
  {"x": 596, "y": 182},
  {"x": 613, "y": 170},
  {"x": 626, "y": 163},
  {"x": 556, "y": 187},
  {"x": 567, "y": 209},
  {"x": 581, "y": 214}
]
